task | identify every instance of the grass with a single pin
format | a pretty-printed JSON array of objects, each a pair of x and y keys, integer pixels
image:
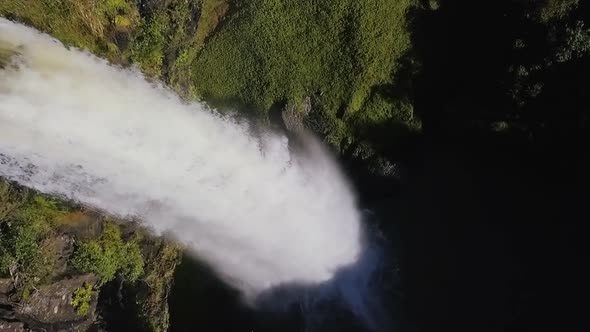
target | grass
[
  {"x": 181, "y": 76},
  {"x": 273, "y": 51},
  {"x": 211, "y": 14},
  {"x": 26, "y": 254},
  {"x": 86, "y": 24},
  {"x": 11, "y": 198}
]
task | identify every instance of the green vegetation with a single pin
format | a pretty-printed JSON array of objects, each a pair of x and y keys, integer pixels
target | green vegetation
[
  {"x": 149, "y": 44},
  {"x": 181, "y": 75},
  {"x": 87, "y": 24},
  {"x": 11, "y": 198},
  {"x": 577, "y": 43},
  {"x": 255, "y": 55},
  {"x": 35, "y": 252},
  {"x": 167, "y": 33},
  {"x": 274, "y": 51},
  {"x": 81, "y": 299},
  {"x": 556, "y": 9},
  {"x": 161, "y": 264},
  {"x": 211, "y": 14},
  {"x": 27, "y": 254},
  {"x": 371, "y": 71},
  {"x": 109, "y": 256}
]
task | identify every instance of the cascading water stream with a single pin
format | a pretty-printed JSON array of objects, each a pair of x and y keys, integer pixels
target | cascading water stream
[{"x": 75, "y": 126}]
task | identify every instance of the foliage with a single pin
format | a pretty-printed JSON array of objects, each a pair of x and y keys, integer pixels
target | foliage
[
  {"x": 11, "y": 198},
  {"x": 274, "y": 50},
  {"x": 265, "y": 53},
  {"x": 556, "y": 9},
  {"x": 42, "y": 210},
  {"x": 133, "y": 265},
  {"x": 23, "y": 252},
  {"x": 109, "y": 256},
  {"x": 85, "y": 24},
  {"x": 81, "y": 299},
  {"x": 211, "y": 13},
  {"x": 269, "y": 52},
  {"x": 148, "y": 47},
  {"x": 165, "y": 43},
  {"x": 577, "y": 43},
  {"x": 160, "y": 266}
]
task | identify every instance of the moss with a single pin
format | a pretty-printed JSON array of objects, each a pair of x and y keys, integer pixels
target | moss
[
  {"x": 161, "y": 263},
  {"x": 122, "y": 22},
  {"x": 81, "y": 299},
  {"x": 378, "y": 109}
]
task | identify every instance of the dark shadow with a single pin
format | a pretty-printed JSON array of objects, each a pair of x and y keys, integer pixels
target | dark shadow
[
  {"x": 201, "y": 301},
  {"x": 495, "y": 62},
  {"x": 464, "y": 48},
  {"x": 491, "y": 220},
  {"x": 491, "y": 239},
  {"x": 275, "y": 115}
]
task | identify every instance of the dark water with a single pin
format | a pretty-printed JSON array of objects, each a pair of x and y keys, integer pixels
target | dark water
[{"x": 200, "y": 301}]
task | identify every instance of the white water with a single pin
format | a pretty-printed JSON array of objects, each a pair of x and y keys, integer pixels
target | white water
[{"x": 71, "y": 124}]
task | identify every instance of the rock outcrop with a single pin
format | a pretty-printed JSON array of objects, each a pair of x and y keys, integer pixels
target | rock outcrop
[
  {"x": 294, "y": 113},
  {"x": 52, "y": 304},
  {"x": 49, "y": 308},
  {"x": 11, "y": 326}
]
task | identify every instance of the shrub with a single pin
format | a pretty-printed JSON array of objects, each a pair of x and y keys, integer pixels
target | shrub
[
  {"x": 42, "y": 211},
  {"x": 81, "y": 23},
  {"x": 132, "y": 267},
  {"x": 577, "y": 43},
  {"x": 271, "y": 51},
  {"x": 81, "y": 299},
  {"x": 147, "y": 48},
  {"x": 11, "y": 197},
  {"x": 109, "y": 256},
  {"x": 556, "y": 9},
  {"x": 21, "y": 237}
]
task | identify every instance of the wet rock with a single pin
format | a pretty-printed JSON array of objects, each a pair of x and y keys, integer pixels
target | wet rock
[
  {"x": 6, "y": 286},
  {"x": 11, "y": 326},
  {"x": 293, "y": 115},
  {"x": 83, "y": 225},
  {"x": 363, "y": 151},
  {"x": 63, "y": 246},
  {"x": 382, "y": 167},
  {"x": 51, "y": 304}
]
